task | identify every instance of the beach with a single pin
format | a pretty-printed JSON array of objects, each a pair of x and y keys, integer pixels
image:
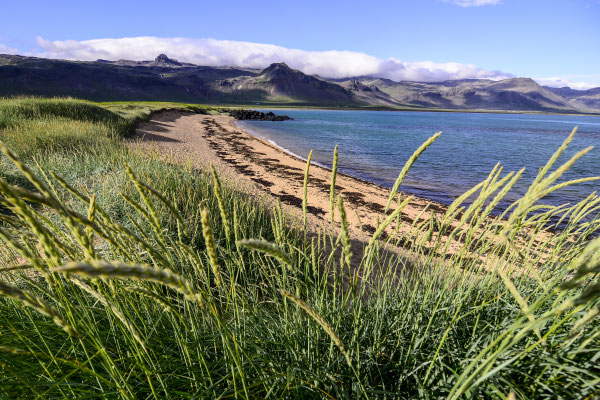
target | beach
[{"x": 256, "y": 166}]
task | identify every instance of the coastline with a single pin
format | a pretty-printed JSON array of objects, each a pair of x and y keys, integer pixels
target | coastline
[
  {"x": 480, "y": 141},
  {"x": 339, "y": 173},
  {"x": 283, "y": 107},
  {"x": 256, "y": 167},
  {"x": 262, "y": 169}
]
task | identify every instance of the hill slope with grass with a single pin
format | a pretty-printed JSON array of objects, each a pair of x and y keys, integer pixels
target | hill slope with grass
[{"x": 124, "y": 276}]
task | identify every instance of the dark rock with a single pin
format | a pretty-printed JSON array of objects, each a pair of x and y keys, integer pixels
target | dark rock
[
  {"x": 356, "y": 86},
  {"x": 164, "y": 60},
  {"x": 257, "y": 115}
]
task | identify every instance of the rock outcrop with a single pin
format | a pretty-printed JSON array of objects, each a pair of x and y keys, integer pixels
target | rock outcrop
[
  {"x": 257, "y": 115},
  {"x": 162, "y": 59}
]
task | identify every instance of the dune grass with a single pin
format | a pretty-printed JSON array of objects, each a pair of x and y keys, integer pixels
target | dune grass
[{"x": 125, "y": 277}]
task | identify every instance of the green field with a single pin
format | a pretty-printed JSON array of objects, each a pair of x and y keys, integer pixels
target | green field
[{"x": 125, "y": 277}]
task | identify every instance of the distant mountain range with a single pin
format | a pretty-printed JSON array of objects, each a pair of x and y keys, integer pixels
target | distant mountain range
[{"x": 166, "y": 79}]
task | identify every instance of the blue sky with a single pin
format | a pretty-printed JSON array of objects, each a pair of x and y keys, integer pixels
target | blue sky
[{"x": 558, "y": 39}]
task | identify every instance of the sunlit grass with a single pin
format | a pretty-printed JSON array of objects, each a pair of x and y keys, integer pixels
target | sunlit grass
[{"x": 127, "y": 277}]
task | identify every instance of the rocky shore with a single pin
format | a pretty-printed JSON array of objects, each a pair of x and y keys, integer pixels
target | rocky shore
[{"x": 257, "y": 115}]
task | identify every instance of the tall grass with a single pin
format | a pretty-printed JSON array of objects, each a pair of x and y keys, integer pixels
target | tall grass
[{"x": 155, "y": 281}]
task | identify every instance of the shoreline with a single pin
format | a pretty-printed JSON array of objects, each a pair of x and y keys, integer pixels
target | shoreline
[
  {"x": 258, "y": 167},
  {"x": 290, "y": 153},
  {"x": 283, "y": 107},
  {"x": 314, "y": 164}
]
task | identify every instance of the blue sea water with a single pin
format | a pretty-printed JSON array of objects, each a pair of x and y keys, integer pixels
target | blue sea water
[{"x": 374, "y": 145}]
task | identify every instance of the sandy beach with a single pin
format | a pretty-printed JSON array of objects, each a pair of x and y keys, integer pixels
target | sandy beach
[{"x": 256, "y": 166}]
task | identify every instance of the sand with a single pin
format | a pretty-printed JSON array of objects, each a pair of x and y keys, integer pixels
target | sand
[{"x": 256, "y": 166}]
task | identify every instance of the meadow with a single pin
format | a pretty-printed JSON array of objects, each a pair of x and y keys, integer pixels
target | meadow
[{"x": 124, "y": 276}]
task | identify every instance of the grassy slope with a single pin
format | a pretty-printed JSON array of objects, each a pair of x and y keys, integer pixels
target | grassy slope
[{"x": 222, "y": 327}]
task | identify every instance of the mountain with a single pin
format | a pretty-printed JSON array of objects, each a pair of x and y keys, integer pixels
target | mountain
[
  {"x": 168, "y": 79},
  {"x": 160, "y": 61},
  {"x": 517, "y": 94},
  {"x": 584, "y": 100},
  {"x": 369, "y": 94},
  {"x": 278, "y": 83},
  {"x": 161, "y": 79}
]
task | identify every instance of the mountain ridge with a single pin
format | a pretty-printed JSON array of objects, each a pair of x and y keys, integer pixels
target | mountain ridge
[
  {"x": 168, "y": 79},
  {"x": 509, "y": 94}
]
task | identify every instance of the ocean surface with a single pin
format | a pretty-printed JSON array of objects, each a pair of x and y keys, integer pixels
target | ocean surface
[{"x": 374, "y": 145}]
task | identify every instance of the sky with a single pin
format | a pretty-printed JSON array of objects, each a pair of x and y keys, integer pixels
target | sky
[{"x": 555, "y": 42}]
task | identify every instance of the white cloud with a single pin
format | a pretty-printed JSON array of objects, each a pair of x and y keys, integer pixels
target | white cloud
[
  {"x": 329, "y": 64},
  {"x": 561, "y": 82},
  {"x": 474, "y": 3},
  {"x": 7, "y": 50},
  {"x": 212, "y": 52}
]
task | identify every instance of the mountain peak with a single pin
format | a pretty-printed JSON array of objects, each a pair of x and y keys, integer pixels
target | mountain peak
[
  {"x": 518, "y": 83},
  {"x": 163, "y": 59},
  {"x": 524, "y": 81},
  {"x": 277, "y": 67}
]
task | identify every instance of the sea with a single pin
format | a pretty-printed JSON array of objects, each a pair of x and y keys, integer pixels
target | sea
[{"x": 375, "y": 145}]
